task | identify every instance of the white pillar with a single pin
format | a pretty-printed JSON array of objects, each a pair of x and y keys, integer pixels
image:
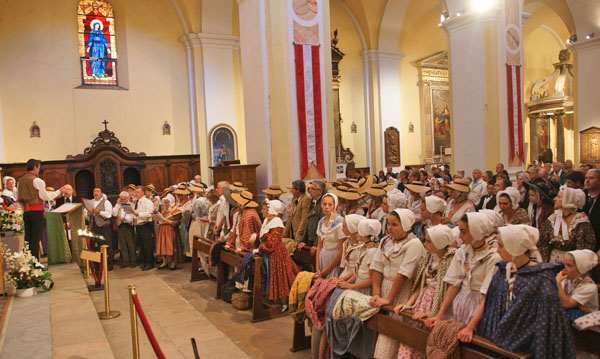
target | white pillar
[
  {"x": 255, "y": 74},
  {"x": 588, "y": 78}
]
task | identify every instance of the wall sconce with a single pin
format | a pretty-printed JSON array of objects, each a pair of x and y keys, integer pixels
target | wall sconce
[
  {"x": 353, "y": 127},
  {"x": 166, "y": 128},
  {"x": 34, "y": 130},
  {"x": 411, "y": 128}
]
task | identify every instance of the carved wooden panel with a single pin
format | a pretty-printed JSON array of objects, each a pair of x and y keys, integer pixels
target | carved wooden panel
[
  {"x": 84, "y": 184},
  {"x": 243, "y": 173},
  {"x": 131, "y": 175},
  {"x": 179, "y": 173},
  {"x": 157, "y": 175},
  {"x": 55, "y": 178},
  {"x": 392, "y": 147},
  {"x": 590, "y": 144},
  {"x": 109, "y": 176}
]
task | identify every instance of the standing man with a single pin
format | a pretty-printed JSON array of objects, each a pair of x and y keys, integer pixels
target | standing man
[
  {"x": 142, "y": 210},
  {"x": 317, "y": 189},
  {"x": 592, "y": 205},
  {"x": 301, "y": 202},
  {"x": 68, "y": 196},
  {"x": 125, "y": 233},
  {"x": 568, "y": 166},
  {"x": 31, "y": 193},
  {"x": 223, "y": 210},
  {"x": 100, "y": 223},
  {"x": 557, "y": 170}
]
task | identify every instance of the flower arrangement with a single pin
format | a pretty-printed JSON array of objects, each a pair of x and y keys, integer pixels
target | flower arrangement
[
  {"x": 11, "y": 221},
  {"x": 24, "y": 271}
]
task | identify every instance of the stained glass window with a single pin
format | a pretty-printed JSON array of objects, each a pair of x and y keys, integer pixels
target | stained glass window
[{"x": 97, "y": 43}]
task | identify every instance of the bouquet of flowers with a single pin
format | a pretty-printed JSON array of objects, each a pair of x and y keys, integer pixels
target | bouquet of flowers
[
  {"x": 11, "y": 221},
  {"x": 24, "y": 270}
]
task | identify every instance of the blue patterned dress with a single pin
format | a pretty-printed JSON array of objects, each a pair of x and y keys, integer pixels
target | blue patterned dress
[{"x": 534, "y": 321}]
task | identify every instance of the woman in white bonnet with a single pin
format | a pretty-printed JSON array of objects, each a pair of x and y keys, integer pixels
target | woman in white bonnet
[
  {"x": 577, "y": 291},
  {"x": 571, "y": 229},
  {"x": 349, "y": 254},
  {"x": 508, "y": 202},
  {"x": 470, "y": 272},
  {"x": 432, "y": 212},
  {"x": 331, "y": 238},
  {"x": 9, "y": 194},
  {"x": 522, "y": 311},
  {"x": 365, "y": 249},
  {"x": 393, "y": 200}
]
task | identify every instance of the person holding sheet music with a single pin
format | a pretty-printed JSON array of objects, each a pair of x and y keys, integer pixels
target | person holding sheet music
[
  {"x": 125, "y": 233},
  {"x": 100, "y": 213},
  {"x": 168, "y": 245}
]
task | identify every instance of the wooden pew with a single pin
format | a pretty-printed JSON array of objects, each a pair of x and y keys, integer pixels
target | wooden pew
[
  {"x": 300, "y": 340},
  {"x": 229, "y": 257},
  {"x": 199, "y": 245}
]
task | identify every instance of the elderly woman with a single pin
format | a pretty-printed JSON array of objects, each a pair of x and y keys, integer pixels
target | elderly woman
[
  {"x": 168, "y": 248},
  {"x": 429, "y": 288},
  {"x": 522, "y": 179},
  {"x": 577, "y": 291},
  {"x": 508, "y": 202},
  {"x": 458, "y": 203},
  {"x": 393, "y": 268},
  {"x": 9, "y": 194},
  {"x": 570, "y": 229},
  {"x": 470, "y": 272},
  {"x": 522, "y": 311},
  {"x": 282, "y": 269},
  {"x": 432, "y": 212}
]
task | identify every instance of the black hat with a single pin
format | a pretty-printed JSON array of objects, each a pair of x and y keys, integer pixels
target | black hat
[{"x": 543, "y": 188}]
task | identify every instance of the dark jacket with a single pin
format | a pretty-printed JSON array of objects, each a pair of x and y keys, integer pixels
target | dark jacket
[
  {"x": 491, "y": 203},
  {"x": 60, "y": 201},
  {"x": 594, "y": 215},
  {"x": 314, "y": 215}
]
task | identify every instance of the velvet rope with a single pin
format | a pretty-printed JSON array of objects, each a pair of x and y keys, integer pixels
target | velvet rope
[{"x": 147, "y": 328}]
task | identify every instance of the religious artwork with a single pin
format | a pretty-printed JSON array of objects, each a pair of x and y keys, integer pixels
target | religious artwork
[
  {"x": 306, "y": 21},
  {"x": 97, "y": 43},
  {"x": 34, "y": 130},
  {"x": 590, "y": 143},
  {"x": 392, "y": 147},
  {"x": 340, "y": 170},
  {"x": 411, "y": 127},
  {"x": 542, "y": 126},
  {"x": 166, "y": 128},
  {"x": 441, "y": 119},
  {"x": 223, "y": 144},
  {"x": 342, "y": 154}
]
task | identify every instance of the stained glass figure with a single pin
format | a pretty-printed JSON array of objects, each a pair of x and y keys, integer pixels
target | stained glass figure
[{"x": 97, "y": 43}]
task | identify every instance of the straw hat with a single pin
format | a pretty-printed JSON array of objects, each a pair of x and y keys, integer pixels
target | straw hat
[
  {"x": 417, "y": 186},
  {"x": 238, "y": 186},
  {"x": 165, "y": 192},
  {"x": 151, "y": 188},
  {"x": 460, "y": 185},
  {"x": 352, "y": 183},
  {"x": 274, "y": 189},
  {"x": 365, "y": 183},
  {"x": 131, "y": 186},
  {"x": 196, "y": 188},
  {"x": 350, "y": 194},
  {"x": 377, "y": 190},
  {"x": 390, "y": 187},
  {"x": 50, "y": 189},
  {"x": 181, "y": 189},
  {"x": 244, "y": 199}
]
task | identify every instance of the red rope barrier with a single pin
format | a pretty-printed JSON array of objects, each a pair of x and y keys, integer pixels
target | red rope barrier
[{"x": 147, "y": 328}]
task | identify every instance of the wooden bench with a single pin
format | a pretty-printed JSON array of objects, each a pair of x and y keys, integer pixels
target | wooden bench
[
  {"x": 300, "y": 340},
  {"x": 229, "y": 257}
]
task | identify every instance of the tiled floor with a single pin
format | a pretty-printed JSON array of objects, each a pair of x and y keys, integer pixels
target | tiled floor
[{"x": 179, "y": 310}]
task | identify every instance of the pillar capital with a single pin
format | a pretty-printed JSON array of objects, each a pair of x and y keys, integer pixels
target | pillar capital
[
  {"x": 457, "y": 23},
  {"x": 382, "y": 55},
  {"x": 585, "y": 45}
]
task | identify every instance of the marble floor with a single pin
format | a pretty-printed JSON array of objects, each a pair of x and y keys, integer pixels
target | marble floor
[{"x": 179, "y": 310}]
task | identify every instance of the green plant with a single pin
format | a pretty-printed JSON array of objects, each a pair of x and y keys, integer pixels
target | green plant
[
  {"x": 11, "y": 220},
  {"x": 24, "y": 271}
]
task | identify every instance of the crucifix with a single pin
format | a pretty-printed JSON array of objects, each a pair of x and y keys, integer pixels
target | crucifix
[{"x": 105, "y": 125}]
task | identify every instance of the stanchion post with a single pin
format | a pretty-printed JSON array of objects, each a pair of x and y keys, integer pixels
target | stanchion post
[
  {"x": 135, "y": 342},
  {"x": 107, "y": 314},
  {"x": 2, "y": 269}
]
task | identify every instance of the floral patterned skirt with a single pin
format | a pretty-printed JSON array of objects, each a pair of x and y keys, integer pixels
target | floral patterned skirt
[
  {"x": 422, "y": 305},
  {"x": 386, "y": 347}
]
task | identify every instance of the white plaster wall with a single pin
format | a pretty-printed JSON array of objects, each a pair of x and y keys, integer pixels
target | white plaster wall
[
  {"x": 216, "y": 16},
  {"x": 389, "y": 84}
]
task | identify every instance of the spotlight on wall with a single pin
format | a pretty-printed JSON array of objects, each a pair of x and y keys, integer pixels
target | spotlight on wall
[
  {"x": 444, "y": 16},
  {"x": 457, "y": 14},
  {"x": 589, "y": 36},
  {"x": 483, "y": 5},
  {"x": 572, "y": 39}
]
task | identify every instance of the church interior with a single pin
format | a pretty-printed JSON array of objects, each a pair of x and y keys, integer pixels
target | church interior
[{"x": 246, "y": 97}]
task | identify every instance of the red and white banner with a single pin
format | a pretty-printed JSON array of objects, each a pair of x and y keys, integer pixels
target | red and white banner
[
  {"x": 310, "y": 117},
  {"x": 515, "y": 122}
]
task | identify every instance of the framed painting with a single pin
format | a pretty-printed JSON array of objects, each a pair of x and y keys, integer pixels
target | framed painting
[
  {"x": 442, "y": 119},
  {"x": 223, "y": 144}
]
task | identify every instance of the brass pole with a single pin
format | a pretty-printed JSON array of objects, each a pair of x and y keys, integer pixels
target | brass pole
[
  {"x": 135, "y": 342},
  {"x": 87, "y": 262},
  {"x": 107, "y": 314}
]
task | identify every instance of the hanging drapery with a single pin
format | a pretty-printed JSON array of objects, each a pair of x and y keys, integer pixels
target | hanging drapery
[
  {"x": 310, "y": 117},
  {"x": 515, "y": 123}
]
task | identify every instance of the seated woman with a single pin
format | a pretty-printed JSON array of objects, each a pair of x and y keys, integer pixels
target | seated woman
[
  {"x": 540, "y": 205},
  {"x": 393, "y": 266},
  {"x": 9, "y": 194},
  {"x": 360, "y": 278},
  {"x": 282, "y": 269},
  {"x": 416, "y": 189},
  {"x": 508, "y": 202},
  {"x": 458, "y": 202},
  {"x": 432, "y": 213},
  {"x": 522, "y": 311},
  {"x": 349, "y": 252},
  {"x": 168, "y": 246},
  {"x": 496, "y": 221},
  {"x": 571, "y": 229},
  {"x": 577, "y": 291},
  {"x": 470, "y": 272},
  {"x": 331, "y": 238},
  {"x": 429, "y": 287},
  {"x": 393, "y": 200},
  {"x": 376, "y": 194}
]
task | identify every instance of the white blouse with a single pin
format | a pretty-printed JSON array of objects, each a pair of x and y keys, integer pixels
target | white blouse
[
  {"x": 472, "y": 270},
  {"x": 332, "y": 234},
  {"x": 585, "y": 293},
  {"x": 398, "y": 257},
  {"x": 466, "y": 207}
]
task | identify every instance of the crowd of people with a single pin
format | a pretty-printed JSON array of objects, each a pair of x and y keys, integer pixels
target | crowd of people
[{"x": 514, "y": 262}]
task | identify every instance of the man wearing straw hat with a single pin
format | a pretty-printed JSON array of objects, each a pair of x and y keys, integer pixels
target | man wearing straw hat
[{"x": 273, "y": 192}]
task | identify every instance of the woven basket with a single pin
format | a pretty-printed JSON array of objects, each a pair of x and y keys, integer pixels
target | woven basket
[{"x": 241, "y": 301}]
